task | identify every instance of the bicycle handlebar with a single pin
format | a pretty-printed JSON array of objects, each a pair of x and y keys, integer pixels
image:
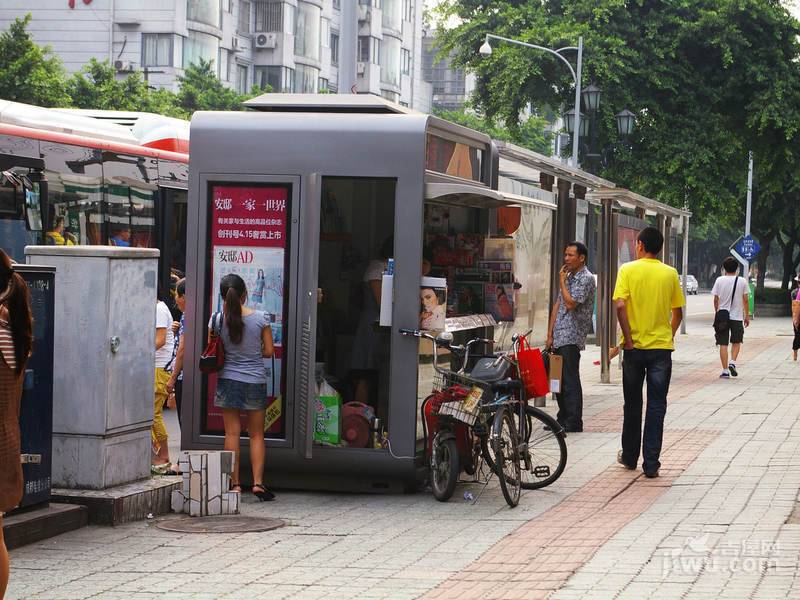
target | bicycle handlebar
[{"x": 456, "y": 348}]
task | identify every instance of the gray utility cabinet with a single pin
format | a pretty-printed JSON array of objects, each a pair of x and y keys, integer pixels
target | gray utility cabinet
[{"x": 104, "y": 356}]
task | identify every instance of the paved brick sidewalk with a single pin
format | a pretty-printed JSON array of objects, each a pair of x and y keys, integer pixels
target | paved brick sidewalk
[{"x": 712, "y": 526}]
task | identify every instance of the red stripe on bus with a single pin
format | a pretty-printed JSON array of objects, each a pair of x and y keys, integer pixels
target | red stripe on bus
[{"x": 89, "y": 142}]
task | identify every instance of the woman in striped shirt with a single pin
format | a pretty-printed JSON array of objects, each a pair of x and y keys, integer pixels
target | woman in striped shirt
[{"x": 16, "y": 340}]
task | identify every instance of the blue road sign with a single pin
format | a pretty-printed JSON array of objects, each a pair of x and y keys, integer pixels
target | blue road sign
[{"x": 747, "y": 247}]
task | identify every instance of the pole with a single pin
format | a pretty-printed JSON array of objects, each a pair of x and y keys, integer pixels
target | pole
[
  {"x": 746, "y": 269},
  {"x": 685, "y": 267},
  {"x": 577, "y": 121}
]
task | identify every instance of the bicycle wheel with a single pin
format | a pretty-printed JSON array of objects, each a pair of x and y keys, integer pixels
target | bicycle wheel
[
  {"x": 444, "y": 469},
  {"x": 505, "y": 444},
  {"x": 543, "y": 453}
]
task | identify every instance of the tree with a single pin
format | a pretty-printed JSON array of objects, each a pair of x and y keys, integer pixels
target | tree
[
  {"x": 201, "y": 89},
  {"x": 530, "y": 133},
  {"x": 707, "y": 79},
  {"x": 27, "y": 73},
  {"x": 96, "y": 87}
]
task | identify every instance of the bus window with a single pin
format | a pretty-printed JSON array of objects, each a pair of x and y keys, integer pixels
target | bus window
[
  {"x": 130, "y": 194},
  {"x": 75, "y": 194}
]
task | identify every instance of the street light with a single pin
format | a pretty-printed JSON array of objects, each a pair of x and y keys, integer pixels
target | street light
[
  {"x": 569, "y": 123},
  {"x": 625, "y": 122},
  {"x": 591, "y": 97},
  {"x": 486, "y": 50}
]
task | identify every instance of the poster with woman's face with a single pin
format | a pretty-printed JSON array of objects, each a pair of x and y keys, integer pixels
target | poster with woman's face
[
  {"x": 433, "y": 305},
  {"x": 500, "y": 301}
]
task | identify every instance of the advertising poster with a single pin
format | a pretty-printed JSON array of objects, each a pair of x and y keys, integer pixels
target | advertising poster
[{"x": 248, "y": 238}]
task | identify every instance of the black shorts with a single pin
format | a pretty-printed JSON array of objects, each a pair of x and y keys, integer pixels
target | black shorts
[{"x": 732, "y": 334}]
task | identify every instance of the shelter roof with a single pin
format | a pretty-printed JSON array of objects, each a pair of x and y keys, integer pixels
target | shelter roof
[
  {"x": 357, "y": 103},
  {"x": 629, "y": 199}
]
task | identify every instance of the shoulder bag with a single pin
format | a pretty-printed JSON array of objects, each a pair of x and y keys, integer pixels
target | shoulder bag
[
  {"x": 722, "y": 317},
  {"x": 213, "y": 357}
]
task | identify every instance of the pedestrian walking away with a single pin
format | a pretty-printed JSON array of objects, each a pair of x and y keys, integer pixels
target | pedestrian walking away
[
  {"x": 649, "y": 303},
  {"x": 165, "y": 343},
  {"x": 570, "y": 323},
  {"x": 731, "y": 315},
  {"x": 242, "y": 383},
  {"x": 16, "y": 340}
]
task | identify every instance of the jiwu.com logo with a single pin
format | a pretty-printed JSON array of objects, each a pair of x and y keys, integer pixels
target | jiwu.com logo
[{"x": 697, "y": 554}]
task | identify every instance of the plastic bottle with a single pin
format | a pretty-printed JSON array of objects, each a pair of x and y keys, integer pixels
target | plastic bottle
[
  {"x": 390, "y": 266},
  {"x": 376, "y": 434}
]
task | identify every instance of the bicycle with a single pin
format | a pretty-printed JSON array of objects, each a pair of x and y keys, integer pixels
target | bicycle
[
  {"x": 455, "y": 437},
  {"x": 543, "y": 447}
]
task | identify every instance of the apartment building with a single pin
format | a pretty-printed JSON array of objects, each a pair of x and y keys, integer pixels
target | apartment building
[{"x": 301, "y": 46}]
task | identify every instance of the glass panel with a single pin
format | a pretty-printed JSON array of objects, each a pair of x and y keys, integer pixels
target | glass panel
[
  {"x": 269, "y": 16},
  {"x": 393, "y": 14},
  {"x": 356, "y": 239},
  {"x": 306, "y": 79},
  {"x": 334, "y": 48},
  {"x": 453, "y": 158},
  {"x": 269, "y": 76},
  {"x": 177, "y": 228},
  {"x": 244, "y": 17},
  {"x": 204, "y": 11},
  {"x": 249, "y": 237},
  {"x": 75, "y": 194},
  {"x": 200, "y": 45},
  {"x": 307, "y": 30},
  {"x": 130, "y": 194},
  {"x": 241, "y": 79},
  {"x": 390, "y": 61},
  {"x": 157, "y": 49}
]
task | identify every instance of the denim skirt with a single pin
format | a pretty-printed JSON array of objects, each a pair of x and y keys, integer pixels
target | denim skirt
[{"x": 240, "y": 395}]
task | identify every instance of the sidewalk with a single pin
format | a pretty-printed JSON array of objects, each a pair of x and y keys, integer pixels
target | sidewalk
[{"x": 713, "y": 525}]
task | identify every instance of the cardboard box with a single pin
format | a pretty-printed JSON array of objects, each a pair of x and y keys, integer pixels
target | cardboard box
[{"x": 556, "y": 367}]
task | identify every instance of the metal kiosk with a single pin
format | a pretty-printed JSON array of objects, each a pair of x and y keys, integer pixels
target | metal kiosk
[{"x": 303, "y": 197}]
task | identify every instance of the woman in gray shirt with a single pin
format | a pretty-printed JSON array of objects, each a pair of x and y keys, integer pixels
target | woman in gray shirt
[{"x": 242, "y": 382}]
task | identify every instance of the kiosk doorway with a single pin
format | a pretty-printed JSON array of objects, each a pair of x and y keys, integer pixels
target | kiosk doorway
[{"x": 356, "y": 241}]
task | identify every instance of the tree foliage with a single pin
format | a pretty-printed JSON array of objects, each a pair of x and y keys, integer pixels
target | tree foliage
[
  {"x": 27, "y": 72},
  {"x": 201, "y": 89},
  {"x": 96, "y": 87},
  {"x": 530, "y": 133},
  {"x": 708, "y": 80}
]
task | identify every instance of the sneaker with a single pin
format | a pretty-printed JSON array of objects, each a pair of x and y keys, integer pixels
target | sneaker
[
  {"x": 725, "y": 375},
  {"x": 732, "y": 369},
  {"x": 622, "y": 462}
]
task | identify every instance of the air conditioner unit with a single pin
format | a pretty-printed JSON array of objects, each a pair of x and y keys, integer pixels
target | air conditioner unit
[
  {"x": 361, "y": 68},
  {"x": 363, "y": 12},
  {"x": 265, "y": 40},
  {"x": 123, "y": 66}
]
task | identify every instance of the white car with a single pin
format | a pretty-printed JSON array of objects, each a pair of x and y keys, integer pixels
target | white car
[{"x": 691, "y": 284}]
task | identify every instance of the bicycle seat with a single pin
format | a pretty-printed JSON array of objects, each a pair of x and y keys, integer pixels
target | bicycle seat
[
  {"x": 486, "y": 370},
  {"x": 507, "y": 385}
]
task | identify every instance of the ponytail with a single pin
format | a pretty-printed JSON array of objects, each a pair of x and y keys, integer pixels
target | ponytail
[
  {"x": 15, "y": 296},
  {"x": 232, "y": 288}
]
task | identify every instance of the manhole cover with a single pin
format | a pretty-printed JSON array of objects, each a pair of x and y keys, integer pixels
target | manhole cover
[{"x": 231, "y": 524}]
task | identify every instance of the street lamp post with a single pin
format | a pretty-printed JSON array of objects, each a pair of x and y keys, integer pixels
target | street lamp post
[{"x": 486, "y": 50}]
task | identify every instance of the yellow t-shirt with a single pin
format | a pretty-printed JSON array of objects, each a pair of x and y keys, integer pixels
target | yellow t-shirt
[{"x": 651, "y": 290}]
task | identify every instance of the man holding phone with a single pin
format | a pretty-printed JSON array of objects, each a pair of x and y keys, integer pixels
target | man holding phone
[{"x": 570, "y": 323}]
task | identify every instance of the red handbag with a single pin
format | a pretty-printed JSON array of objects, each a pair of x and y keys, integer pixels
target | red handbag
[
  {"x": 531, "y": 370},
  {"x": 213, "y": 357}
]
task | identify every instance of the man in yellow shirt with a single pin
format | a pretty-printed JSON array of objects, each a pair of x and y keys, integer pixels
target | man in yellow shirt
[{"x": 649, "y": 304}]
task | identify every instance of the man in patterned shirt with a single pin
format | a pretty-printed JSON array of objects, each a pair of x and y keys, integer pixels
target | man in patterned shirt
[{"x": 570, "y": 322}]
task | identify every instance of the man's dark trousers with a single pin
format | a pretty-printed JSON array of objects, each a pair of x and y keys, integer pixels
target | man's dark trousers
[
  {"x": 656, "y": 367},
  {"x": 570, "y": 400}
]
